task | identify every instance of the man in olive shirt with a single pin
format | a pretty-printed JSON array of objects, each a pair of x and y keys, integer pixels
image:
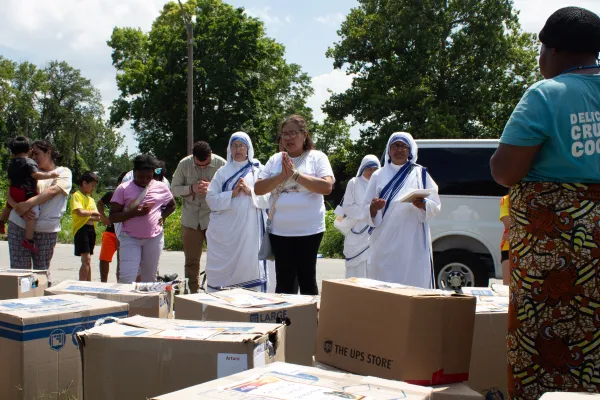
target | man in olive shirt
[{"x": 190, "y": 181}]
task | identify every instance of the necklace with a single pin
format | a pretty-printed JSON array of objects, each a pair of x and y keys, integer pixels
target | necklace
[{"x": 581, "y": 67}]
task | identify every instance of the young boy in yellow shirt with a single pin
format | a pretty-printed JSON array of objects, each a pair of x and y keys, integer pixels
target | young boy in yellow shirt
[{"x": 85, "y": 215}]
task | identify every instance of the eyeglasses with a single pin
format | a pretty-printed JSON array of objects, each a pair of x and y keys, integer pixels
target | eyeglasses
[
  {"x": 238, "y": 146},
  {"x": 400, "y": 146},
  {"x": 290, "y": 134}
]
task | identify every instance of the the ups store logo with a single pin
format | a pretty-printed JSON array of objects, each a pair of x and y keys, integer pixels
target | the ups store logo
[{"x": 328, "y": 346}]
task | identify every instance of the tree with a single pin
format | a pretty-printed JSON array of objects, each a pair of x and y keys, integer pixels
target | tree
[
  {"x": 436, "y": 68},
  {"x": 333, "y": 138},
  {"x": 58, "y": 104},
  {"x": 241, "y": 81}
]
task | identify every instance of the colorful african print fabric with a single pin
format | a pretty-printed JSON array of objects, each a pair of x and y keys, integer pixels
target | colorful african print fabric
[{"x": 554, "y": 312}]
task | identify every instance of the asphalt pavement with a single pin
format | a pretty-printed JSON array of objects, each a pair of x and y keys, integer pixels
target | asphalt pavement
[{"x": 65, "y": 266}]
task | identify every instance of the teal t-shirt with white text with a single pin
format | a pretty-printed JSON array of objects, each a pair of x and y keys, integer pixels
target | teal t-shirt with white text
[{"x": 563, "y": 116}]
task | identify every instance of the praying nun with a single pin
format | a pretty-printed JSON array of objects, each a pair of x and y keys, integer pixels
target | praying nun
[{"x": 237, "y": 221}]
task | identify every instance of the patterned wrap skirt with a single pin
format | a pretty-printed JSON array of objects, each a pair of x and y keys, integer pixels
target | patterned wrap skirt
[{"x": 554, "y": 310}]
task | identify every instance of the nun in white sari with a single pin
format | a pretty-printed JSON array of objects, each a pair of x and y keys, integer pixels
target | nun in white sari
[
  {"x": 356, "y": 244},
  {"x": 237, "y": 221},
  {"x": 400, "y": 237}
]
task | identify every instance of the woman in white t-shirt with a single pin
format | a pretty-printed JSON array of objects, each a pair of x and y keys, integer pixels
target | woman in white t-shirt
[
  {"x": 52, "y": 200},
  {"x": 297, "y": 179}
]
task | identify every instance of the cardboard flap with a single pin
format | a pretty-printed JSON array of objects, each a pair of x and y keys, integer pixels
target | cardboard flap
[
  {"x": 37, "y": 307},
  {"x": 182, "y": 329},
  {"x": 286, "y": 381},
  {"x": 457, "y": 391},
  {"x": 21, "y": 272},
  {"x": 397, "y": 288},
  {"x": 92, "y": 288},
  {"x": 248, "y": 300}
]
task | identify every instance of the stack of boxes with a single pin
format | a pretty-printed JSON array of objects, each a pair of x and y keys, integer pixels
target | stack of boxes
[{"x": 367, "y": 339}]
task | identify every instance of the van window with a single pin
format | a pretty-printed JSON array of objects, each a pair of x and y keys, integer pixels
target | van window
[{"x": 461, "y": 171}]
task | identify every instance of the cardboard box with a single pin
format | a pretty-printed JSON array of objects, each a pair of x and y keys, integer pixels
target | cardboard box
[
  {"x": 247, "y": 306},
  {"x": 282, "y": 381},
  {"x": 156, "y": 304},
  {"x": 568, "y": 396},
  {"x": 488, "y": 373},
  {"x": 39, "y": 358},
  {"x": 395, "y": 332},
  {"x": 22, "y": 283},
  {"x": 139, "y": 357},
  {"x": 455, "y": 391}
]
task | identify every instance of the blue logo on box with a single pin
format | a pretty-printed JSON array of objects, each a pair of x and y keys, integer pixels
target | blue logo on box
[
  {"x": 79, "y": 328},
  {"x": 57, "y": 339}
]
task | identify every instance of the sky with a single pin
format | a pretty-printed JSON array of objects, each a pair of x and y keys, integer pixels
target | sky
[{"x": 76, "y": 31}]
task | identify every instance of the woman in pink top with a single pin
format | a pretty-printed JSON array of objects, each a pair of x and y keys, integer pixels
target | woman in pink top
[{"x": 142, "y": 205}]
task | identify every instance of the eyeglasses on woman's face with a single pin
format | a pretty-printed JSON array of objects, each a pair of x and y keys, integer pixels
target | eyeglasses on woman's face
[
  {"x": 238, "y": 146},
  {"x": 399, "y": 146},
  {"x": 290, "y": 134}
]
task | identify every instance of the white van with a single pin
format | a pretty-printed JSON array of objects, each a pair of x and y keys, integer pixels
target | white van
[{"x": 466, "y": 235}]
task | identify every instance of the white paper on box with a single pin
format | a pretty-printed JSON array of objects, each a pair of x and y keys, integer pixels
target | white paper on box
[
  {"x": 190, "y": 333},
  {"x": 229, "y": 364},
  {"x": 259, "y": 355},
  {"x": 373, "y": 284},
  {"x": 275, "y": 386},
  {"x": 244, "y": 300},
  {"x": 42, "y": 305},
  {"x": 25, "y": 285}
]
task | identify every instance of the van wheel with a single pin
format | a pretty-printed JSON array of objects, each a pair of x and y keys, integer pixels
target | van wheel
[{"x": 459, "y": 268}]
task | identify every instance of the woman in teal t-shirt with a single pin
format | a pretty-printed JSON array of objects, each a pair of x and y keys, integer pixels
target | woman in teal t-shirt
[{"x": 549, "y": 155}]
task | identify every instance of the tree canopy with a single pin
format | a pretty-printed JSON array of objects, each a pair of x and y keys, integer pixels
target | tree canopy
[
  {"x": 58, "y": 104},
  {"x": 241, "y": 81},
  {"x": 435, "y": 68}
]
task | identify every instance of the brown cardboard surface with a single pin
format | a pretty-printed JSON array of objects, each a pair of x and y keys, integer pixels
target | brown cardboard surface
[
  {"x": 301, "y": 311},
  {"x": 395, "y": 332},
  {"x": 141, "y": 357},
  {"x": 488, "y": 373},
  {"x": 456, "y": 391},
  {"x": 282, "y": 381},
  {"x": 39, "y": 358},
  {"x": 22, "y": 283},
  {"x": 157, "y": 304}
]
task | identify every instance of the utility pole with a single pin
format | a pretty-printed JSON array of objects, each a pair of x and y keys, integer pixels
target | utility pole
[{"x": 190, "y": 78}]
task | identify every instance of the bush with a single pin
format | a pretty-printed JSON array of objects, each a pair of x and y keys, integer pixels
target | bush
[
  {"x": 332, "y": 245},
  {"x": 172, "y": 230}
]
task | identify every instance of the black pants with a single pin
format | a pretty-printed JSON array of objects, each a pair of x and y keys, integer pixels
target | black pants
[{"x": 296, "y": 263}]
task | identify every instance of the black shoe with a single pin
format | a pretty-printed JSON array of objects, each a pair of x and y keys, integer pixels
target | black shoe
[{"x": 167, "y": 277}]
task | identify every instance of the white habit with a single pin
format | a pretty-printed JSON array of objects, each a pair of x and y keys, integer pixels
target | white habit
[
  {"x": 356, "y": 243},
  {"x": 400, "y": 240},
  {"x": 236, "y": 226}
]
